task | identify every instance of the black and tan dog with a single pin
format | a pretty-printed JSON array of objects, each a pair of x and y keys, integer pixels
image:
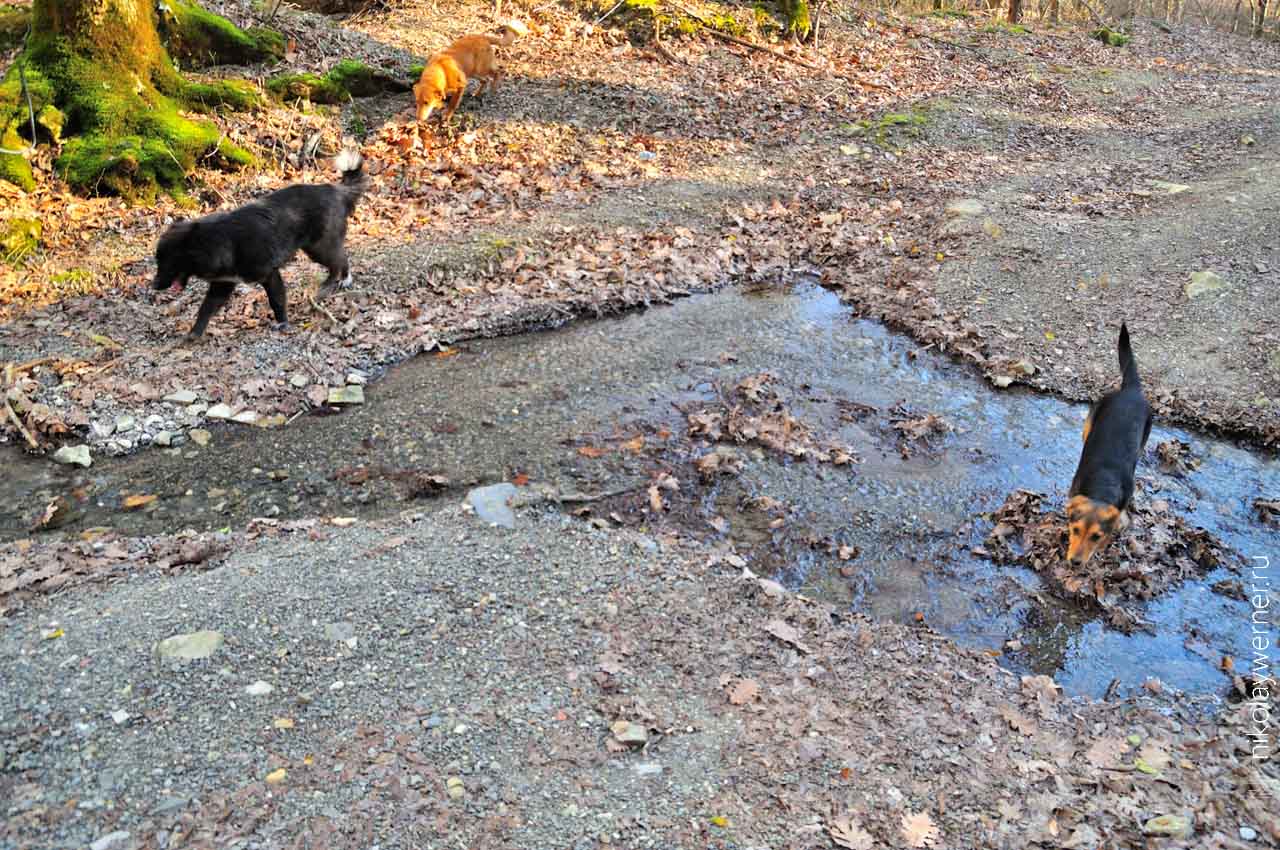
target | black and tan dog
[
  {"x": 251, "y": 243},
  {"x": 1115, "y": 433}
]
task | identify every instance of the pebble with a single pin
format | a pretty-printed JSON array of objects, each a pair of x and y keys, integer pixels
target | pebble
[
  {"x": 219, "y": 411},
  {"x": 259, "y": 689},
  {"x": 181, "y": 397},
  {"x": 110, "y": 841},
  {"x": 199, "y": 436},
  {"x": 120, "y": 717},
  {"x": 1248, "y": 833},
  {"x": 346, "y": 395},
  {"x": 357, "y": 378},
  {"x": 339, "y": 631},
  {"x": 164, "y": 439},
  {"x": 338, "y": 685},
  {"x": 153, "y": 423},
  {"x": 125, "y": 423},
  {"x": 73, "y": 455},
  {"x": 189, "y": 647},
  {"x": 102, "y": 430},
  {"x": 491, "y": 504},
  {"x": 299, "y": 380},
  {"x": 627, "y": 732},
  {"x": 246, "y": 417},
  {"x": 456, "y": 789}
]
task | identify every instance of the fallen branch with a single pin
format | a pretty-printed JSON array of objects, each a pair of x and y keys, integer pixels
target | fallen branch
[
  {"x": 22, "y": 429},
  {"x": 733, "y": 39},
  {"x": 667, "y": 54},
  {"x": 742, "y": 42}
]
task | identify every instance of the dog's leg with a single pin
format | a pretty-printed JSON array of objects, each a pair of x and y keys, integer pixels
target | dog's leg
[
  {"x": 274, "y": 284},
  {"x": 218, "y": 294},
  {"x": 339, "y": 275},
  {"x": 454, "y": 100}
]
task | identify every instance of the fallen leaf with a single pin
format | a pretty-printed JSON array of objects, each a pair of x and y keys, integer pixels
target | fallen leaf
[
  {"x": 744, "y": 691},
  {"x": 786, "y": 633},
  {"x": 919, "y": 831},
  {"x": 592, "y": 451},
  {"x": 277, "y": 776},
  {"x": 132, "y": 503},
  {"x": 846, "y": 832}
]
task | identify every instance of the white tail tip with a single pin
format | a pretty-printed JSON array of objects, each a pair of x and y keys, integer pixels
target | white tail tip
[
  {"x": 348, "y": 160},
  {"x": 516, "y": 27}
]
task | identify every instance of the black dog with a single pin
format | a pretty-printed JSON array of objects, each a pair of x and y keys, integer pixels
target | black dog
[
  {"x": 250, "y": 244},
  {"x": 1115, "y": 433}
]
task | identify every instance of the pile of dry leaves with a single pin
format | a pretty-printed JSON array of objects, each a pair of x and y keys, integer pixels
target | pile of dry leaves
[
  {"x": 754, "y": 412},
  {"x": 1158, "y": 551}
]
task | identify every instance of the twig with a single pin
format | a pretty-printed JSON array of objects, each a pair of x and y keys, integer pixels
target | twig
[
  {"x": 316, "y": 305},
  {"x": 16, "y": 369},
  {"x": 22, "y": 429},
  {"x": 616, "y": 7},
  {"x": 561, "y": 498},
  {"x": 667, "y": 54},
  {"x": 22, "y": 77}
]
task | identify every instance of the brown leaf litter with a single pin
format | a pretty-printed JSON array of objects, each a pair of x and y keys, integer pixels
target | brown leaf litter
[{"x": 1157, "y": 552}]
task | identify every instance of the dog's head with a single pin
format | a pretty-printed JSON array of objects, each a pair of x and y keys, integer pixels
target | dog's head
[
  {"x": 428, "y": 92},
  {"x": 1090, "y": 527},
  {"x": 172, "y": 255}
]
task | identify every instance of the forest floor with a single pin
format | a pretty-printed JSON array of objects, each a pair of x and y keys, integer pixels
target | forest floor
[{"x": 1005, "y": 197}]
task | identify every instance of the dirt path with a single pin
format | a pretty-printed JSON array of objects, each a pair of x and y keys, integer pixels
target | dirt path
[{"x": 1113, "y": 227}]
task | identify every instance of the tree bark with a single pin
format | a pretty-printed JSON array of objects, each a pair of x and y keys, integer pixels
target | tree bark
[
  {"x": 1260, "y": 18},
  {"x": 100, "y": 72},
  {"x": 1015, "y": 11}
]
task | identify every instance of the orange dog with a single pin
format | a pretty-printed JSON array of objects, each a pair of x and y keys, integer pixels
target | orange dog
[{"x": 447, "y": 73}]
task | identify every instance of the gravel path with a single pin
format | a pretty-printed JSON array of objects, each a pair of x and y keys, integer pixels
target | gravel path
[{"x": 434, "y": 682}]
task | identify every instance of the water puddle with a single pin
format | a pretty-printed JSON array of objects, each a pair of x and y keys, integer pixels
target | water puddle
[{"x": 562, "y": 407}]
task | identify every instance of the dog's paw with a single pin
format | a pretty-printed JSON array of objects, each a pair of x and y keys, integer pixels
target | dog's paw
[{"x": 282, "y": 327}]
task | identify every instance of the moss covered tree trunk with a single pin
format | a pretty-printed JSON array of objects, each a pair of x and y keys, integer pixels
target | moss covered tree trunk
[
  {"x": 798, "y": 21},
  {"x": 100, "y": 73}
]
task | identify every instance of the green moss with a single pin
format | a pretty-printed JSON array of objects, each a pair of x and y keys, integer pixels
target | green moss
[
  {"x": 305, "y": 86},
  {"x": 346, "y": 80},
  {"x": 950, "y": 13},
  {"x": 14, "y": 21},
  {"x": 796, "y": 13},
  {"x": 240, "y": 95},
  {"x": 14, "y": 168},
  {"x": 52, "y": 120},
  {"x": 72, "y": 278},
  {"x": 19, "y": 237},
  {"x": 199, "y": 38},
  {"x": 159, "y": 149},
  {"x": 1111, "y": 38},
  {"x": 1006, "y": 28},
  {"x": 890, "y": 127}
]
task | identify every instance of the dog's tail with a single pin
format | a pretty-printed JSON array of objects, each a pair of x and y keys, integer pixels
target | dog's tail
[
  {"x": 351, "y": 166},
  {"x": 1128, "y": 365},
  {"x": 511, "y": 30}
]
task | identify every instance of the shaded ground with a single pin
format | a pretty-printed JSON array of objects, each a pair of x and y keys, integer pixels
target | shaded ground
[{"x": 436, "y": 683}]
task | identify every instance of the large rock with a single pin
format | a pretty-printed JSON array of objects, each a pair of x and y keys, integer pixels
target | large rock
[
  {"x": 1204, "y": 283},
  {"x": 73, "y": 455},
  {"x": 189, "y": 647},
  {"x": 493, "y": 504}
]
